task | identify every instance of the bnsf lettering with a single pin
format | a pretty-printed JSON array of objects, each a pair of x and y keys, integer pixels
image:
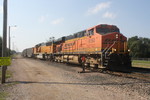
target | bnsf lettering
[
  {"x": 69, "y": 45},
  {"x": 92, "y": 40}
]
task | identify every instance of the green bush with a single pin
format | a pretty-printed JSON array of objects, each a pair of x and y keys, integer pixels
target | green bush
[{"x": 139, "y": 47}]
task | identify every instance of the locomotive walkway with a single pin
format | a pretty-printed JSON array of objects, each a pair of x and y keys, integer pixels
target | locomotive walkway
[{"x": 42, "y": 80}]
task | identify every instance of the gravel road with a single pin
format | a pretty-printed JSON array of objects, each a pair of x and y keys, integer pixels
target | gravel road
[{"x": 42, "y": 80}]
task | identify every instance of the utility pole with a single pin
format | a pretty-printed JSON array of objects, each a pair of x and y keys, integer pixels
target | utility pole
[
  {"x": 10, "y": 40},
  {"x": 4, "y": 47}
]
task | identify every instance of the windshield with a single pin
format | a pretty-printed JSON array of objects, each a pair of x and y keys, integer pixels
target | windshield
[{"x": 105, "y": 30}]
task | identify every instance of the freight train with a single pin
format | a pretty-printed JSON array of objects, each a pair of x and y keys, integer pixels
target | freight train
[{"x": 102, "y": 46}]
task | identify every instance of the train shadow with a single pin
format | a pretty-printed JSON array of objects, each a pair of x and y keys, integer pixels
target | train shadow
[
  {"x": 81, "y": 83},
  {"x": 140, "y": 70}
]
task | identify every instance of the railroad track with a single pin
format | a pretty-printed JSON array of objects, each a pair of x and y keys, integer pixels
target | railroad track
[{"x": 136, "y": 73}]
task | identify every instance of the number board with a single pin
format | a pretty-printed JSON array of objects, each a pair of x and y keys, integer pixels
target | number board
[{"x": 5, "y": 61}]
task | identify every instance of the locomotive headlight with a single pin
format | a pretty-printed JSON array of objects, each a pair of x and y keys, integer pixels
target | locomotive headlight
[
  {"x": 114, "y": 50},
  {"x": 116, "y": 36}
]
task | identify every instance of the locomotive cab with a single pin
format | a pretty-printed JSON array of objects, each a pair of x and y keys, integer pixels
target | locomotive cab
[{"x": 114, "y": 53}]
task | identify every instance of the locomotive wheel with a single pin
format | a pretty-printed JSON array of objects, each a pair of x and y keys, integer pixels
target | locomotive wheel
[
  {"x": 96, "y": 66},
  {"x": 88, "y": 65}
]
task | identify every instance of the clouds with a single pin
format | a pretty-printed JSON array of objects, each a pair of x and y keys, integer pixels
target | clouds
[
  {"x": 57, "y": 21},
  {"x": 103, "y": 8},
  {"x": 99, "y": 7},
  {"x": 109, "y": 15}
]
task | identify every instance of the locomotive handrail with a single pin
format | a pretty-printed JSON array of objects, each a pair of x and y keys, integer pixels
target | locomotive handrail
[
  {"x": 109, "y": 48},
  {"x": 105, "y": 48}
]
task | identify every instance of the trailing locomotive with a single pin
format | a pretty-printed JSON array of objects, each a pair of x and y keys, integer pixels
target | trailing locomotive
[{"x": 102, "y": 46}]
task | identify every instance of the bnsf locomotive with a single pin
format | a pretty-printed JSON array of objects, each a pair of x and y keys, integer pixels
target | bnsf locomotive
[{"x": 102, "y": 46}]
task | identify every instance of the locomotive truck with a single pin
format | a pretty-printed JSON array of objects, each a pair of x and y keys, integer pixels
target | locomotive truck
[{"x": 102, "y": 46}]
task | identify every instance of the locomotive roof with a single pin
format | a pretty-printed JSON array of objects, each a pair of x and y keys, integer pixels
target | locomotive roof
[
  {"x": 76, "y": 35},
  {"x": 106, "y": 29},
  {"x": 40, "y": 44},
  {"x": 60, "y": 39}
]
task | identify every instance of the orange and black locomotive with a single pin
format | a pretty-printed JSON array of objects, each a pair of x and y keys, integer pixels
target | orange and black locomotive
[{"x": 102, "y": 46}]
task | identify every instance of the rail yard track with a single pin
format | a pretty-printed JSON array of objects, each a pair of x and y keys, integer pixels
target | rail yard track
[{"x": 136, "y": 73}]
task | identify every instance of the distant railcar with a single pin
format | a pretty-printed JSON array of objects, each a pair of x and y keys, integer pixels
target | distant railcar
[{"x": 28, "y": 52}]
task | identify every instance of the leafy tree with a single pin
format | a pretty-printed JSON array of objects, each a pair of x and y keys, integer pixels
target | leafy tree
[
  {"x": 13, "y": 52},
  {"x": 7, "y": 50},
  {"x": 139, "y": 47}
]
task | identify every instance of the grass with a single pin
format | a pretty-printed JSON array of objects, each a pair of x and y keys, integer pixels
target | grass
[
  {"x": 141, "y": 63},
  {"x": 8, "y": 74},
  {"x": 4, "y": 94}
]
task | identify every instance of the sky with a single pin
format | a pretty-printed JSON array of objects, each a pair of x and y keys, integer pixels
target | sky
[{"x": 38, "y": 20}]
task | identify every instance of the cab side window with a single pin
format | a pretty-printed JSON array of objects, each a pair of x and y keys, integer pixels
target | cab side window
[{"x": 91, "y": 32}]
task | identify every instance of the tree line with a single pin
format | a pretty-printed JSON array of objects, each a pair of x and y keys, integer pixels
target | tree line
[
  {"x": 11, "y": 52},
  {"x": 139, "y": 47}
]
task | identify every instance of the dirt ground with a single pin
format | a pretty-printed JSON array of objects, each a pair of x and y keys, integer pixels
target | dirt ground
[{"x": 42, "y": 80}]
